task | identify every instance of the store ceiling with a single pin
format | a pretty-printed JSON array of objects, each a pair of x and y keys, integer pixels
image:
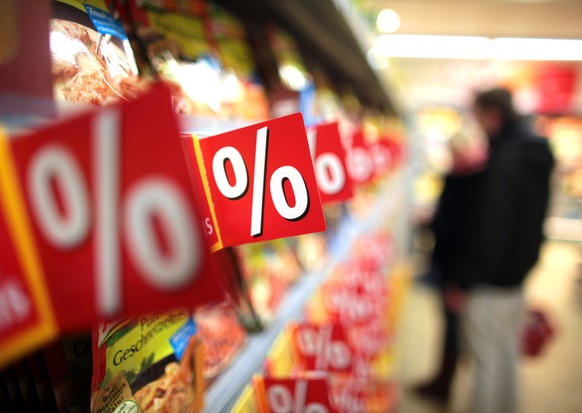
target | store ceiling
[{"x": 491, "y": 18}]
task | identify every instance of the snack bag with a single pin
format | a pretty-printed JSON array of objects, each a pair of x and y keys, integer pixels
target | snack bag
[
  {"x": 148, "y": 364},
  {"x": 222, "y": 335},
  {"x": 92, "y": 61},
  {"x": 296, "y": 91},
  {"x": 269, "y": 269},
  {"x": 175, "y": 36},
  {"x": 69, "y": 363},
  {"x": 243, "y": 95}
]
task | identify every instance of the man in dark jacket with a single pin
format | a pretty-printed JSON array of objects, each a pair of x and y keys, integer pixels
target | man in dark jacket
[{"x": 500, "y": 245}]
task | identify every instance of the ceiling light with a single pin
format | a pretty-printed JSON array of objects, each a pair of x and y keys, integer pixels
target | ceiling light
[
  {"x": 388, "y": 21},
  {"x": 468, "y": 47},
  {"x": 438, "y": 47},
  {"x": 505, "y": 48}
]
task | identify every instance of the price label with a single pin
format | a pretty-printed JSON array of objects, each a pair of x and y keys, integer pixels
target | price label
[
  {"x": 322, "y": 347},
  {"x": 113, "y": 213},
  {"x": 382, "y": 157},
  {"x": 261, "y": 182},
  {"x": 329, "y": 156},
  {"x": 207, "y": 214},
  {"x": 348, "y": 394},
  {"x": 359, "y": 160},
  {"x": 301, "y": 395},
  {"x": 26, "y": 318}
]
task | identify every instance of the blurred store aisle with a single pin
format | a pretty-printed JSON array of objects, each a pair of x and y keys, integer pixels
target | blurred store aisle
[{"x": 550, "y": 383}]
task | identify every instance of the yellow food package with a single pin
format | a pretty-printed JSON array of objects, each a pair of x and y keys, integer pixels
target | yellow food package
[{"x": 148, "y": 364}]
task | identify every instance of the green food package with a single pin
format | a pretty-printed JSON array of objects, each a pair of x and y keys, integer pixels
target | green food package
[{"x": 148, "y": 364}]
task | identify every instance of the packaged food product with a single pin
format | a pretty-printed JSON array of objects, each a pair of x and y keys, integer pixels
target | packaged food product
[
  {"x": 269, "y": 268},
  {"x": 148, "y": 364},
  {"x": 92, "y": 61},
  {"x": 243, "y": 95},
  {"x": 296, "y": 90},
  {"x": 42, "y": 382},
  {"x": 175, "y": 36},
  {"x": 70, "y": 364},
  {"x": 222, "y": 336}
]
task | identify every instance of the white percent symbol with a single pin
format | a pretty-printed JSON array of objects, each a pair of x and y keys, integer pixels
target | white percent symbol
[
  {"x": 319, "y": 343},
  {"x": 276, "y": 183},
  {"x": 360, "y": 164},
  {"x": 149, "y": 197},
  {"x": 282, "y": 401},
  {"x": 329, "y": 171}
]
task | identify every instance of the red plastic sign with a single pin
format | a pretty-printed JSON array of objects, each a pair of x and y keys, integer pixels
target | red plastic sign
[
  {"x": 322, "y": 347},
  {"x": 329, "y": 162},
  {"x": 297, "y": 395},
  {"x": 261, "y": 182},
  {"x": 113, "y": 213},
  {"x": 382, "y": 157},
  {"x": 26, "y": 319},
  {"x": 206, "y": 211},
  {"x": 359, "y": 160}
]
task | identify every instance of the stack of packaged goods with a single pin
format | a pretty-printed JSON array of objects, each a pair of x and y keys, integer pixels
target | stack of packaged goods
[{"x": 108, "y": 52}]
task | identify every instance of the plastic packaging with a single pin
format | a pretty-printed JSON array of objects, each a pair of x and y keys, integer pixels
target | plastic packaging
[{"x": 92, "y": 61}]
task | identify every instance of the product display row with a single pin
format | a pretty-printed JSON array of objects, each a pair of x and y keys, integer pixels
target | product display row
[{"x": 192, "y": 187}]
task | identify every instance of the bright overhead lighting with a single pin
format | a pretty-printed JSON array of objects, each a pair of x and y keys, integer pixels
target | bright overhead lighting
[
  {"x": 438, "y": 47},
  {"x": 505, "y": 48},
  {"x": 468, "y": 47},
  {"x": 388, "y": 21},
  {"x": 377, "y": 61}
]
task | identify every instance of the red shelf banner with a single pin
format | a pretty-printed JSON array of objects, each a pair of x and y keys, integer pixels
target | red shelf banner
[
  {"x": 109, "y": 201},
  {"x": 308, "y": 394},
  {"x": 261, "y": 183},
  {"x": 329, "y": 162},
  {"x": 26, "y": 316}
]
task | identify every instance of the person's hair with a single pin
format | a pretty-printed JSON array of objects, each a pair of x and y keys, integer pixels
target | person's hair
[{"x": 499, "y": 99}]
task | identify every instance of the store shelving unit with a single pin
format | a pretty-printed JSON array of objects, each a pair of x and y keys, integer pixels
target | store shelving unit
[
  {"x": 328, "y": 31},
  {"x": 323, "y": 30},
  {"x": 223, "y": 394}
]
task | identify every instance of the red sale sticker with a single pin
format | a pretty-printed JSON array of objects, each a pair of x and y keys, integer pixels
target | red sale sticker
[
  {"x": 329, "y": 155},
  {"x": 322, "y": 347},
  {"x": 203, "y": 196},
  {"x": 261, "y": 182},
  {"x": 382, "y": 158},
  {"x": 26, "y": 318},
  {"x": 295, "y": 395},
  {"x": 359, "y": 160},
  {"x": 113, "y": 213}
]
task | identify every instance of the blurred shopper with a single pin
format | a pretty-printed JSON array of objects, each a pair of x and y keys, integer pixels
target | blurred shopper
[
  {"x": 498, "y": 247},
  {"x": 448, "y": 223}
]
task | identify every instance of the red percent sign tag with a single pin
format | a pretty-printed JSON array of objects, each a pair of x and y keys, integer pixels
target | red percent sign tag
[
  {"x": 113, "y": 213},
  {"x": 261, "y": 182},
  {"x": 196, "y": 170},
  {"x": 359, "y": 160},
  {"x": 329, "y": 156},
  {"x": 322, "y": 347},
  {"x": 297, "y": 395},
  {"x": 26, "y": 319}
]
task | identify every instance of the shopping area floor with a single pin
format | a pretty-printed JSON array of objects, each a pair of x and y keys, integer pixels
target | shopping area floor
[{"x": 551, "y": 383}]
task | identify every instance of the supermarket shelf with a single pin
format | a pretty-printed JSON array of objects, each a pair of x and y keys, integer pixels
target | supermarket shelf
[
  {"x": 225, "y": 391},
  {"x": 207, "y": 125},
  {"x": 325, "y": 30}
]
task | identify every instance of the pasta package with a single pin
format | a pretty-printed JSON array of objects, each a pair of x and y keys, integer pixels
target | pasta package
[
  {"x": 69, "y": 364},
  {"x": 175, "y": 37},
  {"x": 222, "y": 335},
  {"x": 242, "y": 93},
  {"x": 92, "y": 60},
  {"x": 148, "y": 364}
]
